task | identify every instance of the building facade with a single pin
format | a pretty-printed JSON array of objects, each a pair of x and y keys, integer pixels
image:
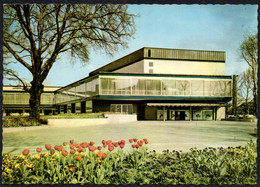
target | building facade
[
  {"x": 155, "y": 84},
  {"x": 16, "y": 100}
]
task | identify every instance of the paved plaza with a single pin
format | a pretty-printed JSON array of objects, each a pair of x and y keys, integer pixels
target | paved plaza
[{"x": 161, "y": 135}]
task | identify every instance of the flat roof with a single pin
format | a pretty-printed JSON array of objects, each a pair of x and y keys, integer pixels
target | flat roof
[{"x": 20, "y": 88}]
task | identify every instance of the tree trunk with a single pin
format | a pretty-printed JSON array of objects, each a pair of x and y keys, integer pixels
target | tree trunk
[{"x": 35, "y": 99}]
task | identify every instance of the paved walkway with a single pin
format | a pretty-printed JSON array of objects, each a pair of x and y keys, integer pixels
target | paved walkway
[{"x": 161, "y": 135}]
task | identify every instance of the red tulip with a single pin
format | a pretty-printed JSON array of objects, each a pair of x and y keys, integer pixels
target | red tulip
[
  {"x": 64, "y": 153},
  {"x": 77, "y": 145},
  {"x": 72, "y": 146},
  {"x": 135, "y": 139},
  {"x": 110, "y": 147},
  {"x": 104, "y": 145},
  {"x": 122, "y": 146},
  {"x": 52, "y": 151},
  {"x": 130, "y": 140},
  {"x": 99, "y": 154},
  {"x": 133, "y": 145},
  {"x": 137, "y": 146},
  {"x": 71, "y": 141},
  {"x": 26, "y": 152},
  {"x": 48, "y": 146},
  {"x": 72, "y": 151},
  {"x": 123, "y": 141},
  {"x": 104, "y": 155},
  {"x": 99, "y": 147},
  {"x": 64, "y": 143},
  {"x": 140, "y": 143},
  {"x": 79, "y": 150},
  {"x": 116, "y": 144},
  {"x": 56, "y": 147},
  {"x": 109, "y": 141},
  {"x": 60, "y": 148},
  {"x": 103, "y": 141},
  {"x": 84, "y": 145},
  {"x": 38, "y": 149},
  {"x": 42, "y": 154},
  {"x": 91, "y": 143},
  {"x": 78, "y": 158},
  {"x": 145, "y": 139},
  {"x": 92, "y": 148}
]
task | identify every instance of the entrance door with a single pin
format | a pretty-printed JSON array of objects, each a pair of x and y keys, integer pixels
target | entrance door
[{"x": 179, "y": 115}]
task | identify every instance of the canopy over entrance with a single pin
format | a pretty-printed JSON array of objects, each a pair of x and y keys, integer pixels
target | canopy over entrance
[{"x": 183, "y": 104}]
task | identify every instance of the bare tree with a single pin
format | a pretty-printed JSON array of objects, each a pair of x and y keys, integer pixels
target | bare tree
[
  {"x": 248, "y": 51},
  {"x": 245, "y": 88},
  {"x": 36, "y": 34}
]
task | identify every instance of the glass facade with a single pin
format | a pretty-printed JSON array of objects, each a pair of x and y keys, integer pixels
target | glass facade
[
  {"x": 165, "y": 86},
  {"x": 87, "y": 88},
  {"x": 23, "y": 98}
]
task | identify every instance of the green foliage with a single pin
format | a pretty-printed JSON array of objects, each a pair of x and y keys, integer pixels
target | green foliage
[
  {"x": 207, "y": 166},
  {"x": 22, "y": 122}
]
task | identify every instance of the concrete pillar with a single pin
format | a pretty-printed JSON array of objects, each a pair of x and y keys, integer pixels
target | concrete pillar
[
  {"x": 65, "y": 109},
  {"x": 163, "y": 113},
  {"x": 58, "y": 109},
  {"x": 215, "y": 113},
  {"x": 83, "y": 107},
  {"x": 73, "y": 107},
  {"x": 190, "y": 113}
]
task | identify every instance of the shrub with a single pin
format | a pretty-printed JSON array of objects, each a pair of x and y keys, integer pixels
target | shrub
[{"x": 22, "y": 122}]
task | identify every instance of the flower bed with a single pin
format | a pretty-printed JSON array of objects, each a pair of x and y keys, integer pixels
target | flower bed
[{"x": 107, "y": 163}]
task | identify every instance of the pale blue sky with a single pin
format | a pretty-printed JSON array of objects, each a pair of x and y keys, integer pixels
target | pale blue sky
[{"x": 201, "y": 27}]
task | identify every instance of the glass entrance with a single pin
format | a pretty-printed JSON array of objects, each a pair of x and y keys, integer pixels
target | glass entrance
[{"x": 179, "y": 115}]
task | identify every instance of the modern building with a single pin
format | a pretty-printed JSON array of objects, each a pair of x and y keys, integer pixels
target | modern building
[
  {"x": 16, "y": 100},
  {"x": 154, "y": 84}
]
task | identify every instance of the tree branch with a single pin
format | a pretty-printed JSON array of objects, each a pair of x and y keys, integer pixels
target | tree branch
[
  {"x": 17, "y": 57},
  {"x": 11, "y": 73}
]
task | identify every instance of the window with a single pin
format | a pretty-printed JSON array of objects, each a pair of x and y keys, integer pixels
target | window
[
  {"x": 122, "y": 108},
  {"x": 150, "y": 64},
  {"x": 197, "y": 87},
  {"x": 149, "y": 52},
  {"x": 151, "y": 71}
]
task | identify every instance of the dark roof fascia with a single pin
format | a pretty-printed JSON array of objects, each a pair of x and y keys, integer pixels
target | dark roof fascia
[
  {"x": 30, "y": 86},
  {"x": 23, "y": 91},
  {"x": 173, "y": 98},
  {"x": 193, "y": 60},
  {"x": 167, "y": 75}
]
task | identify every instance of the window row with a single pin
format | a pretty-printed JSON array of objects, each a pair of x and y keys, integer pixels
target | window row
[
  {"x": 174, "y": 87},
  {"x": 121, "y": 108}
]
